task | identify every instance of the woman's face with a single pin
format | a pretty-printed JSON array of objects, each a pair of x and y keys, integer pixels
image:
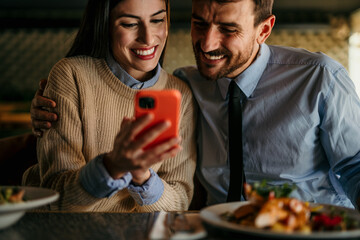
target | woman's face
[{"x": 138, "y": 32}]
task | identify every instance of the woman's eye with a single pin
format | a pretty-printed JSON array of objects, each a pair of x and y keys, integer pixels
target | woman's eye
[
  {"x": 158, "y": 20},
  {"x": 128, "y": 25}
]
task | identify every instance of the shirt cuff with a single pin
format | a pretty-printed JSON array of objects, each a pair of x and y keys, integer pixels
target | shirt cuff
[
  {"x": 96, "y": 180},
  {"x": 148, "y": 193}
]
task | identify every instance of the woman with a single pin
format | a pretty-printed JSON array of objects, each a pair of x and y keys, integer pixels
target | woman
[{"x": 117, "y": 50}]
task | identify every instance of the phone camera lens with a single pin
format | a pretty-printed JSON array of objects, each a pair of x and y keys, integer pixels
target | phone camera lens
[{"x": 146, "y": 102}]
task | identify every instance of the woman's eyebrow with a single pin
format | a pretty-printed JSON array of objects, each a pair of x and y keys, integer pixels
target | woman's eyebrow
[
  {"x": 157, "y": 13},
  {"x": 137, "y": 17},
  {"x": 127, "y": 16}
]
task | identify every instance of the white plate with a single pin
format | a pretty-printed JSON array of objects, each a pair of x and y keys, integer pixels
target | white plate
[
  {"x": 35, "y": 197},
  {"x": 211, "y": 216}
]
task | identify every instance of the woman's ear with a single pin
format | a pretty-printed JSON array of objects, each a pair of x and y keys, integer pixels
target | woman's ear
[{"x": 265, "y": 29}]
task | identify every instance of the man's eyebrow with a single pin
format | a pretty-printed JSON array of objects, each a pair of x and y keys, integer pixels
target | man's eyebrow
[
  {"x": 137, "y": 17},
  {"x": 228, "y": 24},
  {"x": 194, "y": 15}
]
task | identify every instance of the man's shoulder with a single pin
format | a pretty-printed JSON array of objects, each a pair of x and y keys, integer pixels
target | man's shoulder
[
  {"x": 300, "y": 56},
  {"x": 187, "y": 73},
  {"x": 174, "y": 81}
]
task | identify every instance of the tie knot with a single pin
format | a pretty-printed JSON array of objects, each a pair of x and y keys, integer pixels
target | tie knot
[{"x": 235, "y": 91}]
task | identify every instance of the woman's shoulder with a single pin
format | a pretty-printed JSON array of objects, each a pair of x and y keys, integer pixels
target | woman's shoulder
[
  {"x": 79, "y": 66},
  {"x": 79, "y": 61},
  {"x": 71, "y": 73}
]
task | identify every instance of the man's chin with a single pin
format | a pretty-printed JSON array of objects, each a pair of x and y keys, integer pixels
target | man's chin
[
  {"x": 207, "y": 72},
  {"x": 209, "y": 75}
]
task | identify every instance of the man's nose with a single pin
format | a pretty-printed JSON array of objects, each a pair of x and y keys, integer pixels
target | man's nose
[{"x": 211, "y": 40}]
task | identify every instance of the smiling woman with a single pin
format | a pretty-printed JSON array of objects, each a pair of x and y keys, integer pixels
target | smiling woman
[
  {"x": 91, "y": 155},
  {"x": 137, "y": 41}
]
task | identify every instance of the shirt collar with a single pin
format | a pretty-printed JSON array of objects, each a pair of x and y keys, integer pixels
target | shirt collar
[
  {"x": 128, "y": 80},
  {"x": 248, "y": 79}
]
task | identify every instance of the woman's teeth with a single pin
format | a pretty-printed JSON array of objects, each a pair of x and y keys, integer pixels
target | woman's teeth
[
  {"x": 144, "y": 52},
  {"x": 212, "y": 57}
]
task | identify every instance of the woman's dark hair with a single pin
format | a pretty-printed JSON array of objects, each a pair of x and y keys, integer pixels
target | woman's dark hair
[{"x": 93, "y": 37}]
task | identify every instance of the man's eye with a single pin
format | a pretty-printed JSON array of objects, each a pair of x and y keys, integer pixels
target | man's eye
[
  {"x": 229, "y": 30},
  {"x": 128, "y": 25}
]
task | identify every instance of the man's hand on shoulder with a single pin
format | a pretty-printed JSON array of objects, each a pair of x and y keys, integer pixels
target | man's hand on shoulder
[{"x": 41, "y": 119}]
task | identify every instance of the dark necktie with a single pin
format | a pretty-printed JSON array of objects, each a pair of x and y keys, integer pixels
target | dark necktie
[{"x": 237, "y": 176}]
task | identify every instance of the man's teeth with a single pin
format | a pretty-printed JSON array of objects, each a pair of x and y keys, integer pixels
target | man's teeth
[
  {"x": 212, "y": 57},
  {"x": 145, "y": 52}
]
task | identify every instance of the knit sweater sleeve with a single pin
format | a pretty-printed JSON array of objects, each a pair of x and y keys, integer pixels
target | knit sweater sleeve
[
  {"x": 59, "y": 151},
  {"x": 177, "y": 173}
]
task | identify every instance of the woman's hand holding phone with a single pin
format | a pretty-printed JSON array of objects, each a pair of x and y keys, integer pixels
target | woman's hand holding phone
[
  {"x": 150, "y": 137},
  {"x": 129, "y": 153}
]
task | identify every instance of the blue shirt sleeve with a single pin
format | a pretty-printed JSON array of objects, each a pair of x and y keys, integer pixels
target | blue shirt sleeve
[
  {"x": 340, "y": 131},
  {"x": 96, "y": 180},
  {"x": 149, "y": 192}
]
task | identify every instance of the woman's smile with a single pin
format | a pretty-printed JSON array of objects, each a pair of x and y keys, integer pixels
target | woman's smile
[{"x": 145, "y": 53}]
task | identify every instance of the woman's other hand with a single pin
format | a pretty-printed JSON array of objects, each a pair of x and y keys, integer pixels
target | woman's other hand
[
  {"x": 40, "y": 118},
  {"x": 128, "y": 154}
]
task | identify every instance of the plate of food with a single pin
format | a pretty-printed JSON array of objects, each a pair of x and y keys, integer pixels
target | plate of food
[
  {"x": 15, "y": 201},
  {"x": 270, "y": 213}
]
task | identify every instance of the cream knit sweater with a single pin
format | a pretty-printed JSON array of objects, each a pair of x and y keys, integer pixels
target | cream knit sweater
[{"x": 91, "y": 103}]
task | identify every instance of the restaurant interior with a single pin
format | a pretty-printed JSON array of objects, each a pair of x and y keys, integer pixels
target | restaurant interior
[{"x": 35, "y": 34}]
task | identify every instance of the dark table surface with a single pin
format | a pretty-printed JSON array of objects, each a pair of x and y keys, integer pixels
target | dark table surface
[
  {"x": 94, "y": 226},
  {"x": 89, "y": 226},
  {"x": 107, "y": 226}
]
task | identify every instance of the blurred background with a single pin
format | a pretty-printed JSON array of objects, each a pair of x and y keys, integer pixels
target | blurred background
[{"x": 35, "y": 34}]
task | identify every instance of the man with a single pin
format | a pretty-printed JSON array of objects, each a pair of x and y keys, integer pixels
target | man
[{"x": 300, "y": 119}]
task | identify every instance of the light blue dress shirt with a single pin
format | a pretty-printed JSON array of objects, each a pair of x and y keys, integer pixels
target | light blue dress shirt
[
  {"x": 94, "y": 177},
  {"x": 300, "y": 125}
]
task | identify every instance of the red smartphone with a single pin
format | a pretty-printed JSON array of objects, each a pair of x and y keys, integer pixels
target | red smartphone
[{"x": 165, "y": 105}]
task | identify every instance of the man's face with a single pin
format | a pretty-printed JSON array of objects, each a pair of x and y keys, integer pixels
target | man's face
[{"x": 224, "y": 37}]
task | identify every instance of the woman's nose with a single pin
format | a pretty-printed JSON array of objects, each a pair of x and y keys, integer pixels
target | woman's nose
[{"x": 146, "y": 35}]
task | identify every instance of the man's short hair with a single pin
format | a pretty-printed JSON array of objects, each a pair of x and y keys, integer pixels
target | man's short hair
[{"x": 263, "y": 9}]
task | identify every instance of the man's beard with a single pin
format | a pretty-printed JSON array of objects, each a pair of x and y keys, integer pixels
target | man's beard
[{"x": 231, "y": 65}]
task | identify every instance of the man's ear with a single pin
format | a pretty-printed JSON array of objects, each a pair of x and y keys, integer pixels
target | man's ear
[{"x": 265, "y": 28}]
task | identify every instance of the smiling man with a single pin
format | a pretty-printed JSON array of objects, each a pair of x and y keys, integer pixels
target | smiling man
[
  {"x": 222, "y": 42},
  {"x": 300, "y": 119}
]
